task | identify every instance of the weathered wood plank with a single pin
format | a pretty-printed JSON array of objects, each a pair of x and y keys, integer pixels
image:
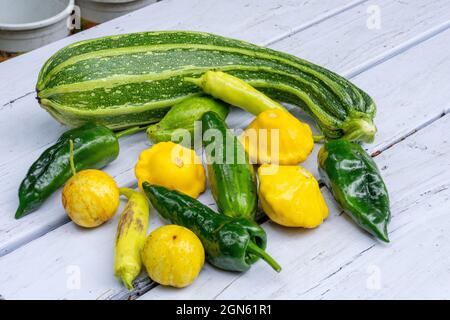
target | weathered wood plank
[{"x": 378, "y": 26}]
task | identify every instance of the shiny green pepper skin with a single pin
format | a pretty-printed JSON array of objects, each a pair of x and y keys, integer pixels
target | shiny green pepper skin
[
  {"x": 230, "y": 173},
  {"x": 94, "y": 147},
  {"x": 355, "y": 181},
  {"x": 226, "y": 240}
]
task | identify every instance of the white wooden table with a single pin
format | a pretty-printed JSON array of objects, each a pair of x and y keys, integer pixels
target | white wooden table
[{"x": 398, "y": 51}]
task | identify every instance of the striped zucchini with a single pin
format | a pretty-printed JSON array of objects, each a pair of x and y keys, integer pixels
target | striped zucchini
[{"x": 126, "y": 80}]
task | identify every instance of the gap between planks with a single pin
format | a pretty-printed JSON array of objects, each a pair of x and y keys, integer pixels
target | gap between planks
[{"x": 407, "y": 45}]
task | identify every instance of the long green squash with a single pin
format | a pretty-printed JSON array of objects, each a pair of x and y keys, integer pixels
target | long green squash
[{"x": 133, "y": 79}]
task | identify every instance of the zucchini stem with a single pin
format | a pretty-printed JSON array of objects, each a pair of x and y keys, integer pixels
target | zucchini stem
[
  {"x": 362, "y": 129},
  {"x": 253, "y": 248},
  {"x": 71, "y": 161}
]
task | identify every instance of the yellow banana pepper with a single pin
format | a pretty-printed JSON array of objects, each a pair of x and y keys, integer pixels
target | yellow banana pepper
[
  {"x": 276, "y": 136},
  {"x": 172, "y": 166},
  {"x": 291, "y": 197},
  {"x": 130, "y": 236}
]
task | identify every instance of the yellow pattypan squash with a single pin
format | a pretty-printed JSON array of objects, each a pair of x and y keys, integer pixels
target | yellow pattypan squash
[
  {"x": 291, "y": 197},
  {"x": 90, "y": 198},
  {"x": 276, "y": 136},
  {"x": 173, "y": 256},
  {"x": 172, "y": 166}
]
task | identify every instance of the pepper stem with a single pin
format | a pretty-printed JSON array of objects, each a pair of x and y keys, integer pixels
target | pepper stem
[
  {"x": 127, "y": 192},
  {"x": 318, "y": 138},
  {"x": 129, "y": 131},
  {"x": 72, "y": 163},
  {"x": 253, "y": 248},
  {"x": 197, "y": 81}
]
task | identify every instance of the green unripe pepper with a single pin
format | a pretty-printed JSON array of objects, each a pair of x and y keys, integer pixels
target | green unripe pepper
[
  {"x": 230, "y": 173},
  {"x": 94, "y": 147},
  {"x": 183, "y": 116},
  {"x": 230, "y": 243},
  {"x": 355, "y": 181}
]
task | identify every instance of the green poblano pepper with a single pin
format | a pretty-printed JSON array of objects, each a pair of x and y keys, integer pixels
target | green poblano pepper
[
  {"x": 94, "y": 147},
  {"x": 232, "y": 244},
  {"x": 355, "y": 181}
]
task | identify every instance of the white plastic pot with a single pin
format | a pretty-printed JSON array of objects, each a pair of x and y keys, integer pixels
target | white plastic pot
[
  {"x": 29, "y": 24},
  {"x": 98, "y": 11}
]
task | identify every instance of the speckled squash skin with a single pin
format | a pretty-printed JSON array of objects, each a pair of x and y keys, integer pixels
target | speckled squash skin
[
  {"x": 90, "y": 198},
  {"x": 173, "y": 256},
  {"x": 133, "y": 79}
]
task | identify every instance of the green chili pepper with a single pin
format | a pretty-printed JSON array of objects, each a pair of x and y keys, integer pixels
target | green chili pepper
[
  {"x": 353, "y": 178},
  {"x": 94, "y": 147},
  {"x": 230, "y": 243}
]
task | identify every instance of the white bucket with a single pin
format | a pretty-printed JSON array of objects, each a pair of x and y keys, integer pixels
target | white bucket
[
  {"x": 29, "y": 24},
  {"x": 98, "y": 11}
]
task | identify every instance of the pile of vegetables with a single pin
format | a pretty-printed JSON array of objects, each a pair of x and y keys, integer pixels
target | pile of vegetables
[{"x": 178, "y": 86}]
